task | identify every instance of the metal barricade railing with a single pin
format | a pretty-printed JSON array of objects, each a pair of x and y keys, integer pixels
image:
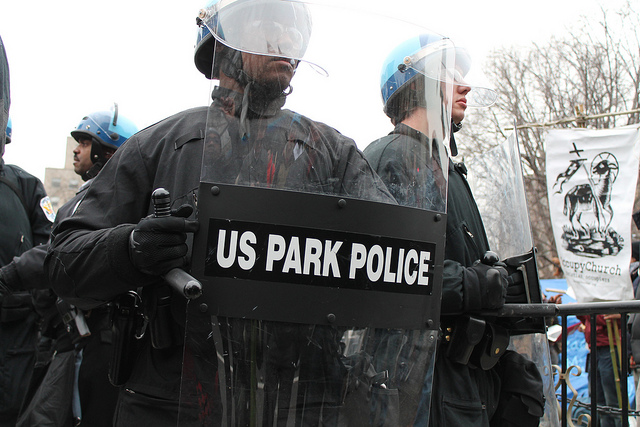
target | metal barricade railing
[{"x": 590, "y": 309}]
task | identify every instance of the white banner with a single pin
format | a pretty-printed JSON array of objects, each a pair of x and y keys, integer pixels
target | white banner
[{"x": 591, "y": 183}]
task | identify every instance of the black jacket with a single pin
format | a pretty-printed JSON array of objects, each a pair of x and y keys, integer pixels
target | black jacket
[
  {"x": 27, "y": 270},
  {"x": 24, "y": 224},
  {"x": 460, "y": 395},
  {"x": 24, "y": 215},
  {"x": 466, "y": 240},
  {"x": 89, "y": 261}
]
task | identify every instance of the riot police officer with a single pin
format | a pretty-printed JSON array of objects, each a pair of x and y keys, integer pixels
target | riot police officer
[
  {"x": 466, "y": 385},
  {"x": 69, "y": 333},
  {"x": 113, "y": 244},
  {"x": 26, "y": 216}
]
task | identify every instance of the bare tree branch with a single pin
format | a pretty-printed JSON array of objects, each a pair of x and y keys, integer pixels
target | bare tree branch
[{"x": 595, "y": 68}]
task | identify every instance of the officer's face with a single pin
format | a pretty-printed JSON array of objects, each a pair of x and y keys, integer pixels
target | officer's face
[
  {"x": 459, "y": 104},
  {"x": 82, "y": 156},
  {"x": 269, "y": 70}
]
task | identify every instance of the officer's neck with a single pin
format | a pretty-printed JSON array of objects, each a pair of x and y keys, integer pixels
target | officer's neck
[
  {"x": 418, "y": 120},
  {"x": 231, "y": 84}
]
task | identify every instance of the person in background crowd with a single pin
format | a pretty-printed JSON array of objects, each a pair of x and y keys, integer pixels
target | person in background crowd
[
  {"x": 633, "y": 322},
  {"x": 607, "y": 340}
]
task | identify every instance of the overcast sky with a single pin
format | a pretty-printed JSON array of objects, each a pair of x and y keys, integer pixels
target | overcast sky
[{"x": 74, "y": 57}]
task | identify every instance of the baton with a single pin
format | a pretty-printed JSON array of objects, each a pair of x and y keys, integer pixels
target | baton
[{"x": 181, "y": 281}]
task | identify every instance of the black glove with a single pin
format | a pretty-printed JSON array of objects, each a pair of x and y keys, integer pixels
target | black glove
[
  {"x": 517, "y": 291},
  {"x": 158, "y": 245},
  {"x": 485, "y": 284},
  {"x": 5, "y": 289}
]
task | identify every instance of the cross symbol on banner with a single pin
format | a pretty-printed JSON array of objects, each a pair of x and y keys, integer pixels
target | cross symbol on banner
[{"x": 575, "y": 150}]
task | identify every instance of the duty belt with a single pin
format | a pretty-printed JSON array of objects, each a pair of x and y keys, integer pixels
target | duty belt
[{"x": 473, "y": 341}]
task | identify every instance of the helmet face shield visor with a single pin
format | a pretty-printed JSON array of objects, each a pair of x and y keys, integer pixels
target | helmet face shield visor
[
  {"x": 418, "y": 81},
  {"x": 455, "y": 71},
  {"x": 481, "y": 94},
  {"x": 481, "y": 97},
  {"x": 263, "y": 27}
]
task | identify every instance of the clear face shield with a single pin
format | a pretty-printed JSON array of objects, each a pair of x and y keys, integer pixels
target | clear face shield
[
  {"x": 417, "y": 90},
  {"x": 481, "y": 94},
  {"x": 435, "y": 64},
  {"x": 321, "y": 293},
  {"x": 497, "y": 182},
  {"x": 262, "y": 27}
]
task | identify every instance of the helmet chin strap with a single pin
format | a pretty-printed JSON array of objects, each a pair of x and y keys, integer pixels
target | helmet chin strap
[
  {"x": 231, "y": 64},
  {"x": 259, "y": 98},
  {"x": 92, "y": 172},
  {"x": 98, "y": 159},
  {"x": 455, "y": 127}
]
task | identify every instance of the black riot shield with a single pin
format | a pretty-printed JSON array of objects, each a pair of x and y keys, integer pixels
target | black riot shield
[
  {"x": 321, "y": 294},
  {"x": 496, "y": 180}
]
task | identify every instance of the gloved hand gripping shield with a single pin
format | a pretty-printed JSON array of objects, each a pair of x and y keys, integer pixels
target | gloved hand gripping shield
[{"x": 321, "y": 294}]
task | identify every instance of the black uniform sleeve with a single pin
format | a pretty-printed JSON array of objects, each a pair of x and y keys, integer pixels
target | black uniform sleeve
[
  {"x": 88, "y": 261},
  {"x": 35, "y": 197},
  {"x": 452, "y": 290},
  {"x": 27, "y": 271}
]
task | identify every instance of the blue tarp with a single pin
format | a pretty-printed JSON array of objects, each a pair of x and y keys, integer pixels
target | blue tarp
[{"x": 577, "y": 349}]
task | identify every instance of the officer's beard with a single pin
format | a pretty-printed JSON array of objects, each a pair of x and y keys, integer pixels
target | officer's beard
[
  {"x": 259, "y": 97},
  {"x": 259, "y": 100},
  {"x": 261, "y": 93}
]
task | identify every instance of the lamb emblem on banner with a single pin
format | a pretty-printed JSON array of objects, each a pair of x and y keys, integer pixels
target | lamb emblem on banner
[{"x": 588, "y": 207}]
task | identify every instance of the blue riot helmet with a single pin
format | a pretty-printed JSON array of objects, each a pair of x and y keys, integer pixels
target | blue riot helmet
[
  {"x": 423, "y": 55},
  {"x": 203, "y": 56},
  {"x": 9, "y": 130},
  {"x": 261, "y": 27},
  {"x": 107, "y": 131}
]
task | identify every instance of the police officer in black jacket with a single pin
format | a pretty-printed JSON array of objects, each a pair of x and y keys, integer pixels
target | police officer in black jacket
[
  {"x": 26, "y": 215},
  {"x": 113, "y": 245},
  {"x": 66, "y": 331},
  {"x": 465, "y": 390}
]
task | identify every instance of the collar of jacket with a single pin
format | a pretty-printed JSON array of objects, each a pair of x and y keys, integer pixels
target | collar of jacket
[
  {"x": 231, "y": 102},
  {"x": 402, "y": 129}
]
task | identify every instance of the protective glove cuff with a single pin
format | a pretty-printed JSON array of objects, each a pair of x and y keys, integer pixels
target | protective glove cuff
[
  {"x": 158, "y": 245},
  {"x": 118, "y": 255},
  {"x": 472, "y": 298}
]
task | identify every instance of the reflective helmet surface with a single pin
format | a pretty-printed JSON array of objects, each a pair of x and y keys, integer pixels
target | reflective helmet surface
[
  {"x": 9, "y": 130},
  {"x": 262, "y": 27},
  {"x": 397, "y": 70},
  {"x": 203, "y": 56},
  {"x": 421, "y": 54},
  {"x": 105, "y": 127}
]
